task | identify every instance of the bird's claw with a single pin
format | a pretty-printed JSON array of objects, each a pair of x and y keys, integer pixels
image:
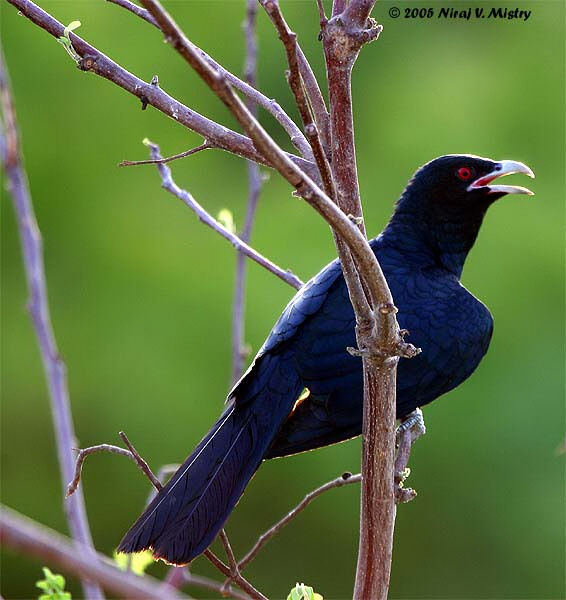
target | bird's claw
[
  {"x": 413, "y": 422},
  {"x": 411, "y": 428}
]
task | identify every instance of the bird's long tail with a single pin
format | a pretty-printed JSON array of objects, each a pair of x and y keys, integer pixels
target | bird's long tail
[{"x": 187, "y": 514}]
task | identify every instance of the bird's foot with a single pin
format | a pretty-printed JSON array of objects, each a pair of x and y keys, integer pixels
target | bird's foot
[
  {"x": 410, "y": 429},
  {"x": 413, "y": 422}
]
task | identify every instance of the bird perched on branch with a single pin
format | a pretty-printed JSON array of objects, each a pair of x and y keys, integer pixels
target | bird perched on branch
[{"x": 303, "y": 390}]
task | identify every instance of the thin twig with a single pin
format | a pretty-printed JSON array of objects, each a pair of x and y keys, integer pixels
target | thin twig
[
  {"x": 289, "y": 40},
  {"x": 239, "y": 348},
  {"x": 238, "y": 579},
  {"x": 207, "y": 219},
  {"x": 316, "y": 100},
  {"x": 142, "y": 464},
  {"x": 247, "y": 88},
  {"x": 322, "y": 15},
  {"x": 29, "y": 537},
  {"x": 137, "y": 10},
  {"x": 206, "y": 583},
  {"x": 168, "y": 159},
  {"x": 82, "y": 456},
  {"x": 94, "y": 61},
  {"x": 38, "y": 307},
  {"x": 234, "y": 568},
  {"x": 344, "y": 479},
  {"x": 161, "y": 473},
  {"x": 131, "y": 453}
]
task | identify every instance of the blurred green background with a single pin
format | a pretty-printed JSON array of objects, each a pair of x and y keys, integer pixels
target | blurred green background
[{"x": 140, "y": 292}]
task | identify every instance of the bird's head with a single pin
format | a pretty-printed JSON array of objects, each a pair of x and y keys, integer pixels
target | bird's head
[
  {"x": 446, "y": 199},
  {"x": 463, "y": 183}
]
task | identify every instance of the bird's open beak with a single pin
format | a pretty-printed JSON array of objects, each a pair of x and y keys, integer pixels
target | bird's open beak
[{"x": 503, "y": 167}]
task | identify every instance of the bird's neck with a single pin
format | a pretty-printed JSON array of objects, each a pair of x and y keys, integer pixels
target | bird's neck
[{"x": 425, "y": 240}]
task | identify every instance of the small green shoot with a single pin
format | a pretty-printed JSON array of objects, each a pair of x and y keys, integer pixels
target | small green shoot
[
  {"x": 136, "y": 563},
  {"x": 226, "y": 218},
  {"x": 65, "y": 40},
  {"x": 53, "y": 586},
  {"x": 303, "y": 592}
]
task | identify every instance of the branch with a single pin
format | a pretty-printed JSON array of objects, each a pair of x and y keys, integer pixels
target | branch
[
  {"x": 221, "y": 590},
  {"x": 142, "y": 464},
  {"x": 344, "y": 479},
  {"x": 82, "y": 456},
  {"x": 178, "y": 577},
  {"x": 246, "y": 87},
  {"x": 207, "y": 219},
  {"x": 305, "y": 186},
  {"x": 94, "y": 61},
  {"x": 27, "y": 536},
  {"x": 343, "y": 37},
  {"x": 234, "y": 568},
  {"x": 137, "y": 10},
  {"x": 407, "y": 436},
  {"x": 318, "y": 105},
  {"x": 313, "y": 93},
  {"x": 131, "y": 453},
  {"x": 239, "y": 349},
  {"x": 168, "y": 159},
  {"x": 237, "y": 578},
  {"x": 357, "y": 13},
  {"x": 38, "y": 306},
  {"x": 289, "y": 39}
]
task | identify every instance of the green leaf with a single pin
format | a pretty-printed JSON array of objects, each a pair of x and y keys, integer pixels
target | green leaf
[
  {"x": 65, "y": 40},
  {"x": 303, "y": 592},
  {"x": 136, "y": 563},
  {"x": 71, "y": 27},
  {"x": 59, "y": 582},
  {"x": 227, "y": 219},
  {"x": 53, "y": 585}
]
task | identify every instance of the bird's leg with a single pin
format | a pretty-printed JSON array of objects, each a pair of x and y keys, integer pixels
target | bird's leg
[
  {"x": 410, "y": 429},
  {"x": 415, "y": 423}
]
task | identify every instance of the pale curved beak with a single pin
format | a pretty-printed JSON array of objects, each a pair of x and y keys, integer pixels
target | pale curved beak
[{"x": 502, "y": 168}]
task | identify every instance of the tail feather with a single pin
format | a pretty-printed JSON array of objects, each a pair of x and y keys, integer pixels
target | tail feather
[{"x": 187, "y": 514}]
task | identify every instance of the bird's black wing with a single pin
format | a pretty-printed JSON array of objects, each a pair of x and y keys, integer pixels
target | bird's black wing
[{"x": 306, "y": 303}]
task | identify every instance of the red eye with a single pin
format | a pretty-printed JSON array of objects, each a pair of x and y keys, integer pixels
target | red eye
[{"x": 464, "y": 173}]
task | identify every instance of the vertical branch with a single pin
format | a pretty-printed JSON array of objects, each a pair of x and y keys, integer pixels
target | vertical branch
[
  {"x": 239, "y": 353},
  {"x": 39, "y": 311},
  {"x": 316, "y": 100},
  {"x": 348, "y": 30}
]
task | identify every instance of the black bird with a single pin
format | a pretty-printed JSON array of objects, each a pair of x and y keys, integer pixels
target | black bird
[{"x": 303, "y": 390}]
